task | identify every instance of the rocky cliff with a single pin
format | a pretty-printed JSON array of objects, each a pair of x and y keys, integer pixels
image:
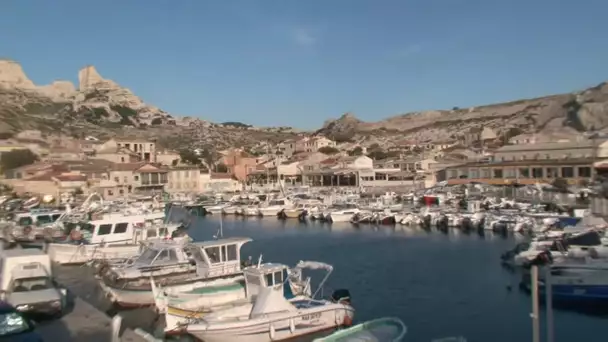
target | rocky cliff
[
  {"x": 566, "y": 113},
  {"x": 103, "y": 107}
]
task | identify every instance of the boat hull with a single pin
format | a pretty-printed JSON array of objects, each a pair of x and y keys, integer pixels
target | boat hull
[
  {"x": 66, "y": 254},
  {"x": 142, "y": 297},
  {"x": 275, "y": 327}
]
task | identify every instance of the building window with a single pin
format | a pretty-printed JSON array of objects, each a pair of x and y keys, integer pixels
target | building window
[
  {"x": 117, "y": 179},
  {"x": 474, "y": 173},
  {"x": 547, "y": 156},
  {"x": 485, "y": 173},
  {"x": 452, "y": 174},
  {"x": 497, "y": 173},
  {"x": 537, "y": 172},
  {"x": 110, "y": 193},
  {"x": 552, "y": 172},
  {"x": 121, "y": 191},
  {"x": 584, "y": 172},
  {"x": 524, "y": 173},
  {"x": 567, "y": 172},
  {"x": 509, "y": 173},
  {"x": 136, "y": 178}
]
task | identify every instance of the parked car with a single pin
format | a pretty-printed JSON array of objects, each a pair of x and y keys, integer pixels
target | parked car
[{"x": 15, "y": 327}]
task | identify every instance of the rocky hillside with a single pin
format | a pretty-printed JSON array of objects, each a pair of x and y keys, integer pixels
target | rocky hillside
[
  {"x": 567, "y": 113},
  {"x": 102, "y": 107}
]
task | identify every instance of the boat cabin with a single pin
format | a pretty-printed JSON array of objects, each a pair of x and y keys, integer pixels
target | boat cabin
[
  {"x": 161, "y": 253},
  {"x": 37, "y": 217},
  {"x": 269, "y": 275},
  {"x": 120, "y": 229},
  {"x": 217, "y": 258}
]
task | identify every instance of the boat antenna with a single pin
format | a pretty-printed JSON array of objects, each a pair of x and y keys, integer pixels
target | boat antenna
[{"x": 260, "y": 260}]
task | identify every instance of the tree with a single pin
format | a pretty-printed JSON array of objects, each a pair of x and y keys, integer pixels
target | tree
[
  {"x": 221, "y": 167},
  {"x": 328, "y": 150},
  {"x": 377, "y": 155},
  {"x": 189, "y": 157},
  {"x": 17, "y": 158},
  {"x": 357, "y": 151}
]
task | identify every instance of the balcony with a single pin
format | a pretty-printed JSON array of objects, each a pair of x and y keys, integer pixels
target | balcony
[{"x": 153, "y": 178}]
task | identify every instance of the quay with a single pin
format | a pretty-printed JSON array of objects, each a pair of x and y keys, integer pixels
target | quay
[{"x": 82, "y": 321}]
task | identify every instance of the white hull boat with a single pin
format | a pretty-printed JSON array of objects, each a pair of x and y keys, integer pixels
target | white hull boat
[
  {"x": 271, "y": 318},
  {"x": 211, "y": 274}
]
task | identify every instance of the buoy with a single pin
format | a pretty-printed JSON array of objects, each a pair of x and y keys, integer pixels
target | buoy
[{"x": 347, "y": 321}]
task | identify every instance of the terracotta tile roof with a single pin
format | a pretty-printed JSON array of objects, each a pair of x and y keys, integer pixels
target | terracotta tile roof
[
  {"x": 127, "y": 166},
  {"x": 329, "y": 161},
  {"x": 70, "y": 178},
  {"x": 47, "y": 176},
  {"x": 219, "y": 175}
]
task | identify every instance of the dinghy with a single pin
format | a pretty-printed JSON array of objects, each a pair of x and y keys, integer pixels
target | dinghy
[{"x": 378, "y": 330}]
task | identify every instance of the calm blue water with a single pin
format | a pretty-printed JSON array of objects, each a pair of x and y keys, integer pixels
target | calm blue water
[{"x": 439, "y": 284}]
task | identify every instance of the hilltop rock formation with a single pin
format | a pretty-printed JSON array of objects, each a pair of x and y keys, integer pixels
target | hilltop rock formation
[
  {"x": 574, "y": 113},
  {"x": 102, "y": 106}
]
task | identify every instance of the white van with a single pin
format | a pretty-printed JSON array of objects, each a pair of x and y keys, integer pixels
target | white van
[{"x": 26, "y": 282}]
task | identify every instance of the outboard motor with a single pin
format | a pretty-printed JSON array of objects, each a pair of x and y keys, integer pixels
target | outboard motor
[
  {"x": 281, "y": 214},
  {"x": 341, "y": 296},
  {"x": 443, "y": 223},
  {"x": 426, "y": 222},
  {"x": 466, "y": 224},
  {"x": 543, "y": 258}
]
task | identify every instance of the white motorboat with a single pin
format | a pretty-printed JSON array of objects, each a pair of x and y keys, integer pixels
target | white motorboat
[
  {"x": 273, "y": 317},
  {"x": 179, "y": 307},
  {"x": 212, "y": 263},
  {"x": 275, "y": 207},
  {"x": 218, "y": 208},
  {"x": 343, "y": 215},
  {"x": 115, "y": 236}
]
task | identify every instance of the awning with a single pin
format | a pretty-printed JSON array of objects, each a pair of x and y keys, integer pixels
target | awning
[{"x": 602, "y": 164}]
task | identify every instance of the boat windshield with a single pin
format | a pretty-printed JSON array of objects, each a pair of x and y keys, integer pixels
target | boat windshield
[
  {"x": 147, "y": 256},
  {"x": 32, "y": 284},
  {"x": 12, "y": 323},
  {"x": 276, "y": 202}
]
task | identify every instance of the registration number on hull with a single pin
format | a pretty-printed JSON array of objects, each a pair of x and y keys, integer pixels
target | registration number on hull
[{"x": 311, "y": 317}]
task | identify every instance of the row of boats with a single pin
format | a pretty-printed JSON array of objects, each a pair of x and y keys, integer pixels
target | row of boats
[
  {"x": 201, "y": 288},
  {"x": 574, "y": 261}
]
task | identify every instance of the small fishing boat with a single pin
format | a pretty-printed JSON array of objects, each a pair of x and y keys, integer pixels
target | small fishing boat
[
  {"x": 378, "y": 330},
  {"x": 273, "y": 317},
  {"x": 214, "y": 263}
]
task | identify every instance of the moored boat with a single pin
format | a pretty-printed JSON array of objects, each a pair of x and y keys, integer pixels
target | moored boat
[
  {"x": 272, "y": 316},
  {"x": 378, "y": 330},
  {"x": 212, "y": 263}
]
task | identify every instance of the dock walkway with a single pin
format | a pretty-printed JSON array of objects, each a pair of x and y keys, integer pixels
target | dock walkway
[{"x": 82, "y": 322}]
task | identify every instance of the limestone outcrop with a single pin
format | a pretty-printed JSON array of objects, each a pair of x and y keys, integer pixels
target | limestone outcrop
[{"x": 12, "y": 76}]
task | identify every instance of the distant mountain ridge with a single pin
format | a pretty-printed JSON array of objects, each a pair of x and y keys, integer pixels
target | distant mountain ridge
[
  {"x": 572, "y": 113},
  {"x": 101, "y": 106}
]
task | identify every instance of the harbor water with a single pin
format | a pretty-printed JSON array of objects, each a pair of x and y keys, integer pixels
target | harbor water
[{"x": 440, "y": 284}]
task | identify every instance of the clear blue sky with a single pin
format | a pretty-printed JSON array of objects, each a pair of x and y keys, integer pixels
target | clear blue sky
[{"x": 300, "y": 62}]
